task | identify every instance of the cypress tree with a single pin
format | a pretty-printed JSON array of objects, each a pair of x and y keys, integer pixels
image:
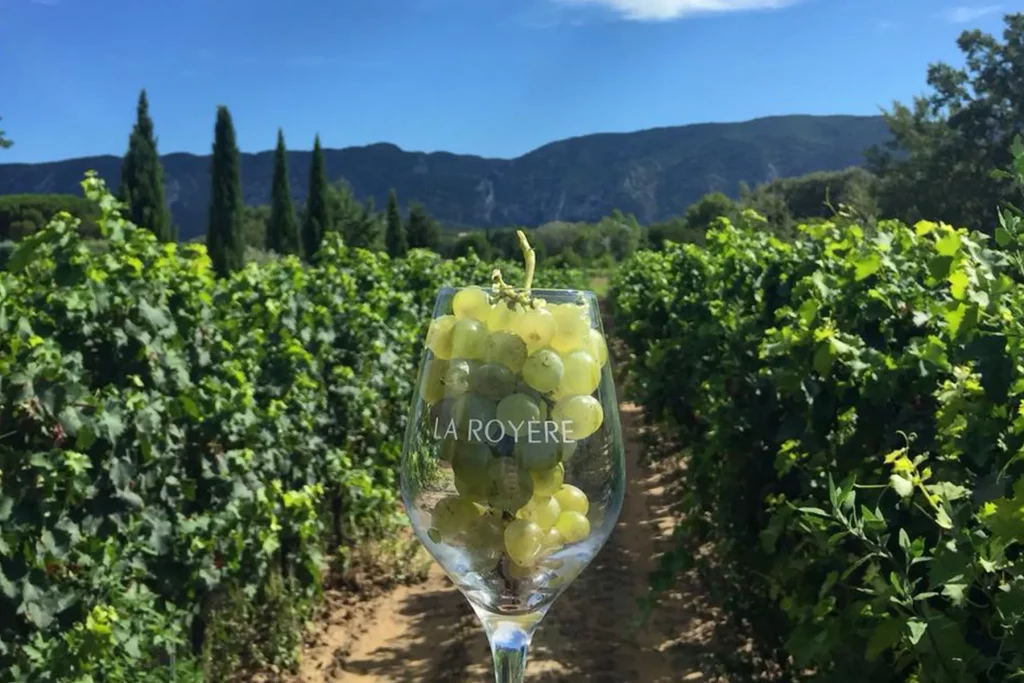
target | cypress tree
[
  {"x": 142, "y": 178},
  {"x": 394, "y": 236},
  {"x": 424, "y": 232},
  {"x": 318, "y": 210},
  {"x": 283, "y": 228},
  {"x": 224, "y": 237}
]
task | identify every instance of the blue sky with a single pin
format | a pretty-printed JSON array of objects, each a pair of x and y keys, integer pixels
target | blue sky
[{"x": 489, "y": 77}]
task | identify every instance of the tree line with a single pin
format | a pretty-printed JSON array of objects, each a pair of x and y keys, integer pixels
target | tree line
[{"x": 280, "y": 229}]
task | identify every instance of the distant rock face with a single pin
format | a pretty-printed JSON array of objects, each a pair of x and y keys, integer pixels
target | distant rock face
[{"x": 654, "y": 174}]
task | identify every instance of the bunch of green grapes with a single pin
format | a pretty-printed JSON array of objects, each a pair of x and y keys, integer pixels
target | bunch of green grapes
[{"x": 527, "y": 371}]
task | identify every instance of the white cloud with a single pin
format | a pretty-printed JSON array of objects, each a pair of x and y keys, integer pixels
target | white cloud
[
  {"x": 960, "y": 15},
  {"x": 665, "y": 10}
]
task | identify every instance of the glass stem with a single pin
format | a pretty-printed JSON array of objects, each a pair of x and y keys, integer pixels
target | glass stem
[{"x": 509, "y": 645}]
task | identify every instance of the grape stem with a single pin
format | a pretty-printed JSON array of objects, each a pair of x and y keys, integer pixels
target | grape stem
[
  {"x": 530, "y": 257},
  {"x": 502, "y": 290}
]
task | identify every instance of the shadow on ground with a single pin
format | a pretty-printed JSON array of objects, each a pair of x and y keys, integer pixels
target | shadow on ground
[{"x": 434, "y": 647}]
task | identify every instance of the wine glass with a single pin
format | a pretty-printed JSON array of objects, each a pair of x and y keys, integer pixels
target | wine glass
[{"x": 513, "y": 471}]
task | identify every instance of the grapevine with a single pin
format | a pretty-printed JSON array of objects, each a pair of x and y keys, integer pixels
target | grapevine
[{"x": 850, "y": 406}]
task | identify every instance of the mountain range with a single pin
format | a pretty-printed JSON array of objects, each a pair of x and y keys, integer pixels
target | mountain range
[{"x": 654, "y": 174}]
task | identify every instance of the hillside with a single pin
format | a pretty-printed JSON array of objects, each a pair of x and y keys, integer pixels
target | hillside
[{"x": 654, "y": 174}]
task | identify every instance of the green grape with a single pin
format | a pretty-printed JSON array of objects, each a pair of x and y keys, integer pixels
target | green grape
[
  {"x": 573, "y": 526},
  {"x": 502, "y": 315},
  {"x": 471, "y": 462},
  {"x": 523, "y": 388},
  {"x": 472, "y": 303},
  {"x": 476, "y": 490},
  {"x": 439, "y": 336},
  {"x": 471, "y": 413},
  {"x": 516, "y": 413},
  {"x": 543, "y": 370},
  {"x": 535, "y": 326},
  {"x": 453, "y": 515},
  {"x": 573, "y": 328},
  {"x": 492, "y": 381},
  {"x": 511, "y": 486},
  {"x": 582, "y": 374},
  {"x": 552, "y": 540},
  {"x": 543, "y": 511},
  {"x": 539, "y": 456},
  {"x": 548, "y": 482},
  {"x": 572, "y": 499},
  {"x": 469, "y": 340},
  {"x": 432, "y": 388},
  {"x": 506, "y": 348},
  {"x": 578, "y": 416},
  {"x": 598, "y": 347},
  {"x": 523, "y": 542},
  {"x": 456, "y": 379},
  {"x": 485, "y": 540}
]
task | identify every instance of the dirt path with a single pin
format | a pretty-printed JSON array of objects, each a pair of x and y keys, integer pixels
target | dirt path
[{"x": 427, "y": 633}]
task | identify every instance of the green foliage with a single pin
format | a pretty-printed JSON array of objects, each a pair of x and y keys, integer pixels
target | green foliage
[
  {"x": 394, "y": 238},
  {"x": 7, "y": 248},
  {"x": 423, "y": 232},
  {"x": 613, "y": 238},
  {"x": 366, "y": 231},
  {"x": 224, "y": 238},
  {"x": 567, "y": 258},
  {"x": 345, "y": 210},
  {"x": 282, "y": 227},
  {"x": 815, "y": 195},
  {"x": 851, "y": 409},
  {"x": 702, "y": 214},
  {"x": 142, "y": 178},
  {"x": 944, "y": 144},
  {"x": 24, "y": 214},
  {"x": 691, "y": 227},
  {"x": 1010, "y": 233},
  {"x": 472, "y": 243},
  {"x": 255, "y": 227},
  {"x": 674, "y": 230},
  {"x": 317, "y": 218},
  {"x": 505, "y": 244},
  {"x": 181, "y": 453}
]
